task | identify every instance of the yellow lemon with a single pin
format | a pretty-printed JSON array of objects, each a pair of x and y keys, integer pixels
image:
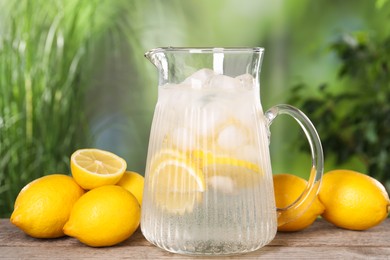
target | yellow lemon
[
  {"x": 176, "y": 182},
  {"x": 92, "y": 168},
  {"x": 353, "y": 200},
  {"x": 287, "y": 189},
  {"x": 43, "y": 206},
  {"x": 104, "y": 216},
  {"x": 133, "y": 182}
]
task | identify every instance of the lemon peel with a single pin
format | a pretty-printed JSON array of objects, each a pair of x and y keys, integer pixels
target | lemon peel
[
  {"x": 287, "y": 189},
  {"x": 353, "y": 200},
  {"x": 104, "y": 216},
  {"x": 133, "y": 182},
  {"x": 43, "y": 206}
]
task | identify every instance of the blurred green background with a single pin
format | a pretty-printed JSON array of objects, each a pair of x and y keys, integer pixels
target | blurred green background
[{"x": 73, "y": 75}]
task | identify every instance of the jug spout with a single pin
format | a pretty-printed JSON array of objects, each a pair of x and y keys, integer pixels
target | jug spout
[
  {"x": 154, "y": 56},
  {"x": 158, "y": 58},
  {"x": 149, "y": 55}
]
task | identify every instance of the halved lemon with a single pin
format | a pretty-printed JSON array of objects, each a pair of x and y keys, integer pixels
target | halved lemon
[
  {"x": 176, "y": 182},
  {"x": 92, "y": 168},
  {"x": 228, "y": 174}
]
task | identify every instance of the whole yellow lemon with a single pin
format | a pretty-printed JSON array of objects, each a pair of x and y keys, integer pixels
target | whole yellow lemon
[
  {"x": 43, "y": 206},
  {"x": 353, "y": 200},
  {"x": 104, "y": 216},
  {"x": 288, "y": 188},
  {"x": 133, "y": 182}
]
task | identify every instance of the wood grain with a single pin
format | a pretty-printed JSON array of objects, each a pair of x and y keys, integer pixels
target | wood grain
[{"x": 320, "y": 241}]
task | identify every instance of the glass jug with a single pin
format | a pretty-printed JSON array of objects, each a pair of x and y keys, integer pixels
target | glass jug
[{"x": 208, "y": 180}]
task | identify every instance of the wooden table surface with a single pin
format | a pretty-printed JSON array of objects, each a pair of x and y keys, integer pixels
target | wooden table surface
[{"x": 320, "y": 241}]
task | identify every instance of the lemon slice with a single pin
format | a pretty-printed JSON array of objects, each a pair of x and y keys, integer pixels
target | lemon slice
[
  {"x": 166, "y": 154},
  {"x": 176, "y": 182},
  {"x": 199, "y": 157},
  {"x": 92, "y": 168},
  {"x": 228, "y": 174}
]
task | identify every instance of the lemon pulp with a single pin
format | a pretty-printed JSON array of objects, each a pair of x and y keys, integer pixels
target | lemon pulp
[{"x": 92, "y": 168}]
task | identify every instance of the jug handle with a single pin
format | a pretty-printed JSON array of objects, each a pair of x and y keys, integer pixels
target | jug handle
[{"x": 299, "y": 206}]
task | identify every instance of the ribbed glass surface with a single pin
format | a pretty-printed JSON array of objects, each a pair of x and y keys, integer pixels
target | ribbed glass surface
[{"x": 208, "y": 183}]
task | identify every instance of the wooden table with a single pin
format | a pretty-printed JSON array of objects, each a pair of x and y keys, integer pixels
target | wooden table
[{"x": 320, "y": 241}]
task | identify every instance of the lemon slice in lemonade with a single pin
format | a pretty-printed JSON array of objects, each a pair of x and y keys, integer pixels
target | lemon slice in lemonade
[
  {"x": 229, "y": 174},
  {"x": 92, "y": 168},
  {"x": 176, "y": 182}
]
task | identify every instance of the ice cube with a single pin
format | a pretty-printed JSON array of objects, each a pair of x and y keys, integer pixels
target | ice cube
[
  {"x": 232, "y": 137},
  {"x": 213, "y": 114},
  {"x": 224, "y": 82},
  {"x": 248, "y": 153},
  {"x": 246, "y": 81},
  {"x": 169, "y": 86},
  {"x": 221, "y": 183},
  {"x": 172, "y": 102},
  {"x": 199, "y": 78},
  {"x": 182, "y": 138}
]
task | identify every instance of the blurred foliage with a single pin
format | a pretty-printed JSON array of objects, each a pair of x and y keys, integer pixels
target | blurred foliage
[
  {"x": 42, "y": 68},
  {"x": 49, "y": 52},
  {"x": 355, "y": 121}
]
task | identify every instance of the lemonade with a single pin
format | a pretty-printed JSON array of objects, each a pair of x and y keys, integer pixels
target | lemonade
[{"x": 208, "y": 182}]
